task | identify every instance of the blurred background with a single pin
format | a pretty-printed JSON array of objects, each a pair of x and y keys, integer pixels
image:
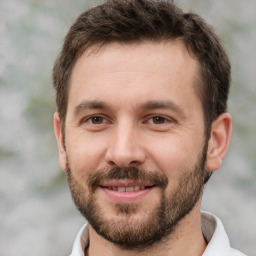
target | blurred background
[{"x": 37, "y": 215}]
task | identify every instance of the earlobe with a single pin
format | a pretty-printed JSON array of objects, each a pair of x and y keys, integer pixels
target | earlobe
[
  {"x": 60, "y": 140},
  {"x": 219, "y": 141}
]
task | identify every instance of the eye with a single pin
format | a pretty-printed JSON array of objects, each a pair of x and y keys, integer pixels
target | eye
[
  {"x": 95, "y": 123},
  {"x": 158, "y": 120},
  {"x": 159, "y": 123},
  {"x": 96, "y": 120}
]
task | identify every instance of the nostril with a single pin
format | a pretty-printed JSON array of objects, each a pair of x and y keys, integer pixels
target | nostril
[
  {"x": 111, "y": 163},
  {"x": 122, "y": 164},
  {"x": 134, "y": 163}
]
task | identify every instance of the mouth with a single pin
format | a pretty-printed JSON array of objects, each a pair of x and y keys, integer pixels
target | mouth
[{"x": 126, "y": 191}]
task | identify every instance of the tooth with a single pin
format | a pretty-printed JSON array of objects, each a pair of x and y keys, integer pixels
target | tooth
[
  {"x": 121, "y": 189},
  {"x": 142, "y": 187},
  {"x": 129, "y": 189},
  {"x": 114, "y": 188},
  {"x": 136, "y": 188}
]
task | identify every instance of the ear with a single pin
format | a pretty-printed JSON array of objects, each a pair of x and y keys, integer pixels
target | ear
[
  {"x": 60, "y": 140},
  {"x": 219, "y": 141}
]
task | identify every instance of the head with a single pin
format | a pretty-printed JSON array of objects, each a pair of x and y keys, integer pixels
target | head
[
  {"x": 141, "y": 91},
  {"x": 137, "y": 21}
]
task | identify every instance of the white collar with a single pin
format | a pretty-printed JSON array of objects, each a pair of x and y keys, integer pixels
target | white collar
[
  {"x": 213, "y": 230},
  {"x": 81, "y": 241},
  {"x": 216, "y": 236}
]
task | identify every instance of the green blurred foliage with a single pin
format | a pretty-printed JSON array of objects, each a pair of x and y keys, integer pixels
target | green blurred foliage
[
  {"x": 4, "y": 153},
  {"x": 53, "y": 185},
  {"x": 40, "y": 109}
]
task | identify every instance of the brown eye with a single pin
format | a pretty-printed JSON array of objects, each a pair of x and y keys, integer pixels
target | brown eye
[
  {"x": 97, "y": 120},
  {"x": 158, "y": 120}
]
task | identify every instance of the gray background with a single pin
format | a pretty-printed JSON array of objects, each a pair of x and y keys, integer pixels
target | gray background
[{"x": 37, "y": 216}]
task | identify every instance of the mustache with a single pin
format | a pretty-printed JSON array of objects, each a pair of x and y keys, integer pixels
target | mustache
[{"x": 132, "y": 173}]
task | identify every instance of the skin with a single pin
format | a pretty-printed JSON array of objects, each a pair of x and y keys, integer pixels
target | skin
[{"x": 125, "y": 78}]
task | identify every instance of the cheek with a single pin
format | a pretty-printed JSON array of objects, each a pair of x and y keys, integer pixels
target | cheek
[
  {"x": 173, "y": 156},
  {"x": 85, "y": 152},
  {"x": 167, "y": 154}
]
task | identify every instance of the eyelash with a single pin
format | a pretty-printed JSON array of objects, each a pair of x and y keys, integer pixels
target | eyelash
[
  {"x": 161, "y": 119},
  {"x": 90, "y": 119}
]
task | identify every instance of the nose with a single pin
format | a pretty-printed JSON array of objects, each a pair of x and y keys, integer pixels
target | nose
[{"x": 125, "y": 149}]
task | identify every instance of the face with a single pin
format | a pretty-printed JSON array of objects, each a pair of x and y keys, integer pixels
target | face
[{"x": 134, "y": 147}]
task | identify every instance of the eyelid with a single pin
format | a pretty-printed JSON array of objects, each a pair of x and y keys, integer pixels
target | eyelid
[
  {"x": 89, "y": 117},
  {"x": 167, "y": 119}
]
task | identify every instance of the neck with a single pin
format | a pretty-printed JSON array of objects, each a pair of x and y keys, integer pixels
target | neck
[{"x": 186, "y": 240}]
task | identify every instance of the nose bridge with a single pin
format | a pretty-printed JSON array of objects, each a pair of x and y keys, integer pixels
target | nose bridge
[{"x": 124, "y": 148}]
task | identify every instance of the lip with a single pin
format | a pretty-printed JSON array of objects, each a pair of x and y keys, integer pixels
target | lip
[
  {"x": 126, "y": 196},
  {"x": 125, "y": 183}
]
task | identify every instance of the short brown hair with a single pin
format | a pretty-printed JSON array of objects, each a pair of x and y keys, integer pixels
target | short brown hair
[{"x": 156, "y": 20}]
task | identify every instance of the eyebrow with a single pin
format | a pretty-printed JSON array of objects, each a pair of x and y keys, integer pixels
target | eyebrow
[
  {"x": 149, "y": 105},
  {"x": 90, "y": 104},
  {"x": 158, "y": 104}
]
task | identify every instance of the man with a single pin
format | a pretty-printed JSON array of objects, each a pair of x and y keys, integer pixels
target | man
[{"x": 141, "y": 124}]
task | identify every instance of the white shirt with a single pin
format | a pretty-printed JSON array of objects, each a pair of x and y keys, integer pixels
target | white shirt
[{"x": 212, "y": 228}]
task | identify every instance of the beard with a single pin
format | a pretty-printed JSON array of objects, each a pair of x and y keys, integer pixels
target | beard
[{"x": 129, "y": 232}]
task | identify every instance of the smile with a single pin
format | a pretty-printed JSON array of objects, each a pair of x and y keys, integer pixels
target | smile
[{"x": 127, "y": 189}]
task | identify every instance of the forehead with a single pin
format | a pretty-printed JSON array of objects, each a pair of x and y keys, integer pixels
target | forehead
[
  {"x": 134, "y": 72},
  {"x": 137, "y": 53}
]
